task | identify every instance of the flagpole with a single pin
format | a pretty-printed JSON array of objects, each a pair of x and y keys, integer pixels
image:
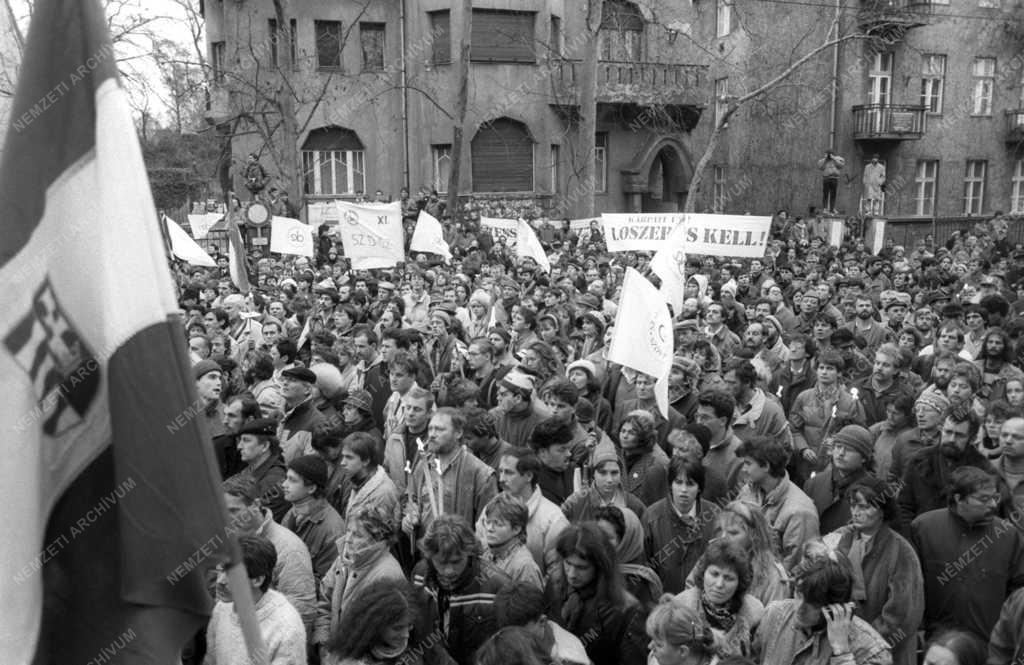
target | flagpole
[{"x": 241, "y": 594}]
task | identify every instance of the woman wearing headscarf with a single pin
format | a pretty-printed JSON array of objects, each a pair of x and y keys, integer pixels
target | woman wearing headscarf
[
  {"x": 606, "y": 469},
  {"x": 623, "y": 528}
]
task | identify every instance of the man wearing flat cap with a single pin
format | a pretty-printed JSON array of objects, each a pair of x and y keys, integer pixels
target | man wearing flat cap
[
  {"x": 259, "y": 450},
  {"x": 301, "y": 415}
]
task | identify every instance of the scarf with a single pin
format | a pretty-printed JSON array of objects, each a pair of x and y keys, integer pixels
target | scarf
[
  {"x": 720, "y": 617},
  {"x": 858, "y": 550},
  {"x": 575, "y": 606}
]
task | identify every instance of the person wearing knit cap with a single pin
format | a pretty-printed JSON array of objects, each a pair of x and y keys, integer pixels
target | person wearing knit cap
[
  {"x": 852, "y": 455},
  {"x": 209, "y": 386},
  {"x": 606, "y": 469},
  {"x": 929, "y": 411},
  {"x": 310, "y": 517},
  {"x": 593, "y": 325},
  {"x": 516, "y": 413},
  {"x": 588, "y": 379}
]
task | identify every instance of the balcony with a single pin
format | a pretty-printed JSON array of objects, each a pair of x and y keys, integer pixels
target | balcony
[
  {"x": 1015, "y": 127},
  {"x": 891, "y": 19},
  {"x": 634, "y": 83},
  {"x": 878, "y": 122}
]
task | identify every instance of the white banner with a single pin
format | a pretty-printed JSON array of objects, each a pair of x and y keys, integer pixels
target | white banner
[
  {"x": 429, "y": 236},
  {"x": 290, "y": 236},
  {"x": 322, "y": 212},
  {"x": 638, "y": 232},
  {"x": 372, "y": 234},
  {"x": 501, "y": 228},
  {"x": 741, "y": 236},
  {"x": 642, "y": 338},
  {"x": 200, "y": 224},
  {"x": 185, "y": 248}
]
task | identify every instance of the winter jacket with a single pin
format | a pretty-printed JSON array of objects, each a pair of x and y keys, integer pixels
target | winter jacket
[
  {"x": 340, "y": 585},
  {"x": 968, "y": 569},
  {"x": 318, "y": 529},
  {"x": 293, "y": 572},
  {"x": 736, "y": 641},
  {"x": 611, "y": 634},
  {"x": 468, "y": 485},
  {"x": 811, "y": 420},
  {"x": 646, "y": 476},
  {"x": 791, "y": 514},
  {"x": 674, "y": 543},
  {"x": 722, "y": 470},
  {"x": 927, "y": 476},
  {"x": 546, "y": 523},
  {"x": 874, "y": 401},
  {"x": 1006, "y": 644},
  {"x": 296, "y": 430},
  {"x": 792, "y": 384},
  {"x": 763, "y": 417},
  {"x": 780, "y": 641},
  {"x": 377, "y": 492},
  {"x": 828, "y": 492},
  {"x": 268, "y": 476},
  {"x": 894, "y": 588},
  {"x": 374, "y": 379},
  {"x": 581, "y": 506},
  {"x": 464, "y": 614}
]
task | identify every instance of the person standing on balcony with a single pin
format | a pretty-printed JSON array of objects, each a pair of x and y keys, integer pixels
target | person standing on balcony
[
  {"x": 873, "y": 180},
  {"x": 831, "y": 166}
]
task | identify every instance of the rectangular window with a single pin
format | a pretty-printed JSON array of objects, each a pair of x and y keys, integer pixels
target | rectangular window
[
  {"x": 933, "y": 76},
  {"x": 557, "y": 44},
  {"x": 503, "y": 36},
  {"x": 974, "y": 186},
  {"x": 441, "y": 155},
  {"x": 218, "y": 56},
  {"x": 925, "y": 179},
  {"x": 880, "y": 79},
  {"x": 601, "y": 162},
  {"x": 333, "y": 172},
  {"x": 721, "y": 90},
  {"x": 276, "y": 38},
  {"x": 328, "y": 44},
  {"x": 718, "y": 190},
  {"x": 989, "y": 4},
  {"x": 371, "y": 40},
  {"x": 556, "y": 167},
  {"x": 441, "y": 29},
  {"x": 983, "y": 71},
  {"x": 1017, "y": 187},
  {"x": 723, "y": 15}
]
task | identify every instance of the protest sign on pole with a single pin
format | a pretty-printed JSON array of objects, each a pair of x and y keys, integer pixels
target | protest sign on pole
[
  {"x": 372, "y": 234},
  {"x": 642, "y": 338},
  {"x": 429, "y": 237},
  {"x": 290, "y": 236}
]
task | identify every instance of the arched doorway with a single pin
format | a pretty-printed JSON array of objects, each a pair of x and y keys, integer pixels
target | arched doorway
[{"x": 665, "y": 184}]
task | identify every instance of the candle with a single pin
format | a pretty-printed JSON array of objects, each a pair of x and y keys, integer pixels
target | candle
[
  {"x": 778, "y": 392},
  {"x": 854, "y": 393},
  {"x": 440, "y": 487},
  {"x": 834, "y": 407}
]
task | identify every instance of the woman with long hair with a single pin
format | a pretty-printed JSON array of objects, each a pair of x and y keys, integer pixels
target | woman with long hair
[
  {"x": 587, "y": 597},
  {"x": 541, "y": 359},
  {"x": 722, "y": 600},
  {"x": 955, "y": 647},
  {"x": 512, "y": 645},
  {"x": 626, "y": 533},
  {"x": 745, "y": 524}
]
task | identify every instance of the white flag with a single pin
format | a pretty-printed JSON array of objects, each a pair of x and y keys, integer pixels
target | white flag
[
  {"x": 429, "y": 236},
  {"x": 527, "y": 245},
  {"x": 669, "y": 264},
  {"x": 201, "y": 223},
  {"x": 290, "y": 236},
  {"x": 642, "y": 339},
  {"x": 185, "y": 248}
]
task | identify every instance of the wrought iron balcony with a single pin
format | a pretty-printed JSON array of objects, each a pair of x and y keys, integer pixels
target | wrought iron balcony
[
  {"x": 881, "y": 122},
  {"x": 640, "y": 83},
  {"x": 1015, "y": 127}
]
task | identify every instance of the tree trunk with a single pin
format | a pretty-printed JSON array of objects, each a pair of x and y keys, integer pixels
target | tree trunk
[
  {"x": 588, "y": 109},
  {"x": 462, "y": 66},
  {"x": 291, "y": 171},
  {"x": 702, "y": 165}
]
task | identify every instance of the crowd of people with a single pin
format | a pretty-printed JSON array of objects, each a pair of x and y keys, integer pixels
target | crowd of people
[{"x": 438, "y": 463}]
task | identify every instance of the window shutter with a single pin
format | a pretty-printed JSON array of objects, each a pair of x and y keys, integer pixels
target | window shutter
[
  {"x": 503, "y": 36},
  {"x": 332, "y": 138},
  {"x": 502, "y": 158}
]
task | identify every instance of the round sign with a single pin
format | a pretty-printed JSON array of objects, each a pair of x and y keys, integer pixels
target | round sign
[{"x": 257, "y": 214}]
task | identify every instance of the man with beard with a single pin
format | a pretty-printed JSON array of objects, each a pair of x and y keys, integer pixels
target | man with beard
[
  {"x": 928, "y": 473},
  {"x": 971, "y": 559},
  {"x": 460, "y": 584},
  {"x": 447, "y": 477},
  {"x": 500, "y": 341},
  {"x": 929, "y": 411},
  {"x": 993, "y": 362},
  {"x": 755, "y": 338},
  {"x": 865, "y": 325},
  {"x": 884, "y": 383},
  {"x": 683, "y": 379},
  {"x": 756, "y": 413}
]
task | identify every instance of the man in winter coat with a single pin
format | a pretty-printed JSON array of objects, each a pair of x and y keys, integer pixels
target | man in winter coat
[{"x": 311, "y": 517}]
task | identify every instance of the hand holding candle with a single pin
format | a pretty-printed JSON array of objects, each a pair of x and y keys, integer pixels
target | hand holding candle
[{"x": 440, "y": 487}]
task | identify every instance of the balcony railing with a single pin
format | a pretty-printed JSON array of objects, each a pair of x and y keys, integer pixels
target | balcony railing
[
  {"x": 639, "y": 83},
  {"x": 888, "y": 123},
  {"x": 1015, "y": 126}
]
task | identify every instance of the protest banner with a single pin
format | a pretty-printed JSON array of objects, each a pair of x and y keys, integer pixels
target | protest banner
[
  {"x": 371, "y": 234},
  {"x": 501, "y": 228},
  {"x": 638, "y": 232},
  {"x": 741, "y": 236},
  {"x": 290, "y": 236}
]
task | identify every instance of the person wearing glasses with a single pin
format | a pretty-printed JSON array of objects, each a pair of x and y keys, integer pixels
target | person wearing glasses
[{"x": 971, "y": 559}]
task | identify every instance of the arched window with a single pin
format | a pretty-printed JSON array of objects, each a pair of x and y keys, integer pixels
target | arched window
[
  {"x": 502, "y": 157},
  {"x": 333, "y": 162},
  {"x": 622, "y": 32}
]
